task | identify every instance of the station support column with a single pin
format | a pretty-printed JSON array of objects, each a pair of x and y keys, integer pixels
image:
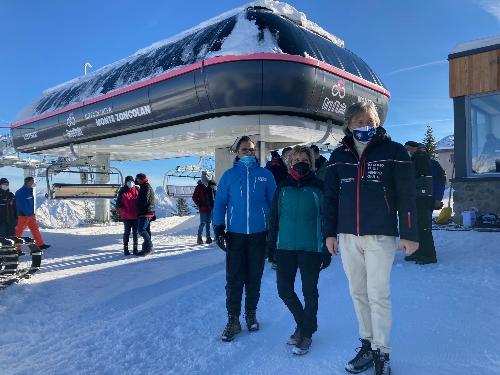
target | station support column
[{"x": 102, "y": 214}]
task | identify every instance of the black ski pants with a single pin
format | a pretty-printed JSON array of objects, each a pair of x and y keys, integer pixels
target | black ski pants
[
  {"x": 309, "y": 264},
  {"x": 245, "y": 258},
  {"x": 129, "y": 225},
  {"x": 426, "y": 249}
]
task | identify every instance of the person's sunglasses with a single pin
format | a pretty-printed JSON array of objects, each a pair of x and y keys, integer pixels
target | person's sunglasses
[{"x": 244, "y": 149}]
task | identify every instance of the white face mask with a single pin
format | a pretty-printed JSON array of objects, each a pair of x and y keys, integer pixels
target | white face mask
[
  {"x": 130, "y": 184},
  {"x": 5, "y": 187}
]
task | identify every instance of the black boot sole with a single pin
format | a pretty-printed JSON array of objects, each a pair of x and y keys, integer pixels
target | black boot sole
[
  {"x": 229, "y": 339},
  {"x": 360, "y": 370}
]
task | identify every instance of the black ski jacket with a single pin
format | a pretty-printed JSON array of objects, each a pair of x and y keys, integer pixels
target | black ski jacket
[
  {"x": 146, "y": 200},
  {"x": 8, "y": 213},
  {"x": 364, "y": 195}
]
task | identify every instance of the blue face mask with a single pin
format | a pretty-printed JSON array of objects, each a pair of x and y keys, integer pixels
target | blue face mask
[
  {"x": 364, "y": 134},
  {"x": 248, "y": 161},
  {"x": 130, "y": 184}
]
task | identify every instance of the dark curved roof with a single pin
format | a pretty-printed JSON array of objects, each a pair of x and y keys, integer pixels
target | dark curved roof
[{"x": 288, "y": 36}]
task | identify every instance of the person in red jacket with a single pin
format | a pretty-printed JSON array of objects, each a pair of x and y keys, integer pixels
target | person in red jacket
[
  {"x": 127, "y": 206},
  {"x": 203, "y": 197}
]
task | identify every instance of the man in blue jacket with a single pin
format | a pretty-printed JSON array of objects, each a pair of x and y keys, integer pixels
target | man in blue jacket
[
  {"x": 244, "y": 196},
  {"x": 25, "y": 204}
]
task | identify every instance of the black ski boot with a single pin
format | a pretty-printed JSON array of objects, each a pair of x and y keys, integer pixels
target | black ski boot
[
  {"x": 125, "y": 250},
  {"x": 199, "y": 240},
  {"x": 363, "y": 360},
  {"x": 233, "y": 327},
  {"x": 251, "y": 320},
  {"x": 209, "y": 240},
  {"x": 295, "y": 338},
  {"x": 382, "y": 363},
  {"x": 135, "y": 251}
]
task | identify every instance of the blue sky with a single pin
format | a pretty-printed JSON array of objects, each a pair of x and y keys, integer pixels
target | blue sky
[{"x": 44, "y": 43}]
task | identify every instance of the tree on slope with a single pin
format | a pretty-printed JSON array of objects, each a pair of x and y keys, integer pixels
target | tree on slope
[
  {"x": 182, "y": 207},
  {"x": 430, "y": 142}
]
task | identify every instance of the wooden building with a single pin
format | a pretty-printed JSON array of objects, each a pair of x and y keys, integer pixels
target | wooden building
[{"x": 475, "y": 90}]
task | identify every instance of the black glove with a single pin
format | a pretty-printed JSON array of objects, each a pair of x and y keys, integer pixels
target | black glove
[
  {"x": 220, "y": 236},
  {"x": 271, "y": 254},
  {"x": 327, "y": 258}
]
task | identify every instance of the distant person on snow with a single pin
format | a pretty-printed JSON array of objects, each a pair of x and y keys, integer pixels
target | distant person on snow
[
  {"x": 438, "y": 180},
  {"x": 203, "y": 197},
  {"x": 145, "y": 212},
  {"x": 295, "y": 239},
  {"x": 25, "y": 205},
  {"x": 244, "y": 195},
  {"x": 369, "y": 185},
  {"x": 126, "y": 202},
  {"x": 8, "y": 214},
  {"x": 426, "y": 253}
]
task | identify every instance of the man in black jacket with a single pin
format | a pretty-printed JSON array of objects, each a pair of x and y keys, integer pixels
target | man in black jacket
[
  {"x": 145, "y": 212},
  {"x": 8, "y": 214},
  {"x": 369, "y": 184},
  {"x": 426, "y": 253}
]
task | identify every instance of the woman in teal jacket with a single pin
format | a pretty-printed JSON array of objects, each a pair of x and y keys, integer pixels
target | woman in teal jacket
[{"x": 295, "y": 234}]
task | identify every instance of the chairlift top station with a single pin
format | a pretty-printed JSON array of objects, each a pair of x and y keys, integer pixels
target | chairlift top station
[{"x": 262, "y": 69}]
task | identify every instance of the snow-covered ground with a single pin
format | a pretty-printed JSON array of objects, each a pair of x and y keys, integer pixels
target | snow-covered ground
[{"x": 91, "y": 310}]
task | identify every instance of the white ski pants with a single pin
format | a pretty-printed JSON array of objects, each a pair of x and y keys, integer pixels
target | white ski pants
[{"x": 367, "y": 262}]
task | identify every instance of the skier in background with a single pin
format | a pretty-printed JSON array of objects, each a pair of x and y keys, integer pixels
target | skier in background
[
  {"x": 8, "y": 213},
  {"x": 145, "y": 212},
  {"x": 25, "y": 205},
  {"x": 203, "y": 197},
  {"x": 126, "y": 202},
  {"x": 426, "y": 253}
]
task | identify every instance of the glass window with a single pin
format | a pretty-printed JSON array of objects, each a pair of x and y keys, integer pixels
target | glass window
[{"x": 485, "y": 134}]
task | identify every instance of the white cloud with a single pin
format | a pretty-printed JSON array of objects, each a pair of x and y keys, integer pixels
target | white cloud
[
  {"x": 423, "y": 122},
  {"x": 492, "y": 7},
  {"x": 416, "y": 67}
]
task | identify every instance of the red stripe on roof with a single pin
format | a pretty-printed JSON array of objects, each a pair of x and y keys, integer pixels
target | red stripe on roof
[{"x": 208, "y": 62}]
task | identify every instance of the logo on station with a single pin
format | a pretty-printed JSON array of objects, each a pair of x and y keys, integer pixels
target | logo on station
[
  {"x": 71, "y": 120},
  {"x": 339, "y": 89}
]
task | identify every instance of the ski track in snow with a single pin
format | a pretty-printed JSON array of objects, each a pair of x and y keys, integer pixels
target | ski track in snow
[{"x": 91, "y": 310}]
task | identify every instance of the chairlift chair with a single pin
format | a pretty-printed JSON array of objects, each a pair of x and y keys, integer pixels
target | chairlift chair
[
  {"x": 88, "y": 188},
  {"x": 188, "y": 172}
]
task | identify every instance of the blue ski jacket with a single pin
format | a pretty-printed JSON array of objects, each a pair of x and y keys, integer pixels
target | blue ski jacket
[
  {"x": 25, "y": 202},
  {"x": 244, "y": 198}
]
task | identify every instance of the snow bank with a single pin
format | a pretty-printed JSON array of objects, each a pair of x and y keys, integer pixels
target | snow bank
[{"x": 72, "y": 213}]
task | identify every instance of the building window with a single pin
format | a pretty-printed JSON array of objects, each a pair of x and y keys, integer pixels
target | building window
[{"x": 485, "y": 134}]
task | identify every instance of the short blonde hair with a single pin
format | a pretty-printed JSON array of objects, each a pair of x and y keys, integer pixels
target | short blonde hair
[
  {"x": 357, "y": 109},
  {"x": 301, "y": 150}
]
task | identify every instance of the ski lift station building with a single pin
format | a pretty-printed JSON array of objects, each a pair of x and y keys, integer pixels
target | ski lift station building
[
  {"x": 262, "y": 70},
  {"x": 475, "y": 89}
]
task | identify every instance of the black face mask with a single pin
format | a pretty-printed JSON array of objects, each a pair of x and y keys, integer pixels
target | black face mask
[{"x": 302, "y": 168}]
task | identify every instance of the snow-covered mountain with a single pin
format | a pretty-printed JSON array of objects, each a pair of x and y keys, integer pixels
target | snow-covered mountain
[{"x": 71, "y": 213}]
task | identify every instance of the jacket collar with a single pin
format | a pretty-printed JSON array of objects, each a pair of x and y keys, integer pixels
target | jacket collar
[{"x": 237, "y": 164}]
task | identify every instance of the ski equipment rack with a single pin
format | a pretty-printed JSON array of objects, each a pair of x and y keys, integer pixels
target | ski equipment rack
[
  {"x": 15, "y": 265},
  {"x": 88, "y": 188}
]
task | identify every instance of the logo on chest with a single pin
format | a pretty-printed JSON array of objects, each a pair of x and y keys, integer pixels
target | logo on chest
[
  {"x": 262, "y": 179},
  {"x": 374, "y": 171}
]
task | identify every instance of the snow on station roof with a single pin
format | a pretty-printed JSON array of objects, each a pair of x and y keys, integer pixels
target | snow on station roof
[{"x": 263, "y": 26}]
